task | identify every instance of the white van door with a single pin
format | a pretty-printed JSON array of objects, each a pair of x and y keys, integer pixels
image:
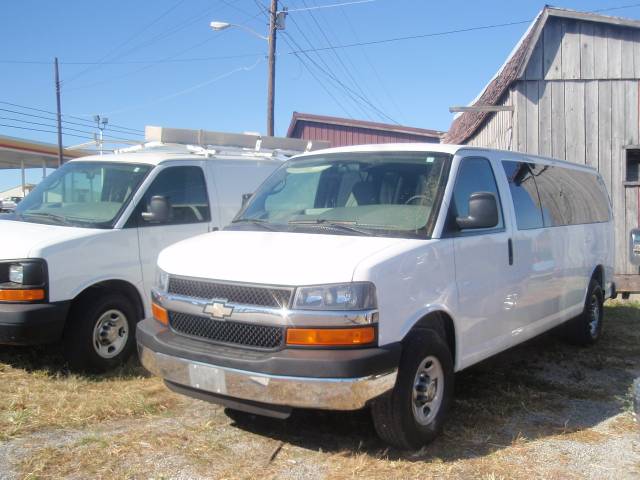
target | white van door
[
  {"x": 185, "y": 188},
  {"x": 483, "y": 267}
]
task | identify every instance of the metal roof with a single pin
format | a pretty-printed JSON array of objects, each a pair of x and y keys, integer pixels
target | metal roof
[
  {"x": 348, "y": 122},
  {"x": 467, "y": 123},
  {"x": 14, "y": 152}
]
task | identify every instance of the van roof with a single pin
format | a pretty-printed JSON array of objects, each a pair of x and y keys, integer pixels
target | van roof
[
  {"x": 445, "y": 148},
  {"x": 157, "y": 154}
]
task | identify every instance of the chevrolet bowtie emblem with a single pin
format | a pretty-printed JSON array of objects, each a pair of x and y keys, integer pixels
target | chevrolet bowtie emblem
[{"x": 218, "y": 310}]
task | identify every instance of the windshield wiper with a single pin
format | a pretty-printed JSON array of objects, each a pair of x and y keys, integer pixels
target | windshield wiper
[
  {"x": 256, "y": 221},
  {"x": 345, "y": 226},
  {"x": 54, "y": 216}
]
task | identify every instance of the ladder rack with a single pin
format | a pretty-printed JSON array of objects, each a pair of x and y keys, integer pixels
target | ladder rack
[{"x": 245, "y": 141}]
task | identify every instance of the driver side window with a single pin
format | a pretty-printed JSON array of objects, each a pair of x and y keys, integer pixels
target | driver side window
[
  {"x": 474, "y": 175},
  {"x": 186, "y": 191}
]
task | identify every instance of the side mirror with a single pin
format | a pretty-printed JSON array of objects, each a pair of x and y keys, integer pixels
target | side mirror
[
  {"x": 483, "y": 212},
  {"x": 634, "y": 247},
  {"x": 245, "y": 198},
  {"x": 159, "y": 209}
]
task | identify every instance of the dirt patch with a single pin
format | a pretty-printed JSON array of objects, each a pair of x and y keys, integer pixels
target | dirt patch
[{"x": 541, "y": 410}]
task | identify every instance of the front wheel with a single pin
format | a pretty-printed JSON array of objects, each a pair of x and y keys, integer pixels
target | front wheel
[
  {"x": 100, "y": 333},
  {"x": 413, "y": 413}
]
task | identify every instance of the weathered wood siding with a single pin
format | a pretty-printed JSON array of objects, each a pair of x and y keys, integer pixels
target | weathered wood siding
[
  {"x": 577, "y": 100},
  {"x": 498, "y": 130},
  {"x": 578, "y": 50}
]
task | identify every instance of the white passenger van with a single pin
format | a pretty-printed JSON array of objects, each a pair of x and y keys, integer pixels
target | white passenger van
[
  {"x": 78, "y": 256},
  {"x": 366, "y": 276}
]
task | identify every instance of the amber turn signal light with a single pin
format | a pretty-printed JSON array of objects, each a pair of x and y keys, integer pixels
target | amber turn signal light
[
  {"x": 331, "y": 337},
  {"x": 20, "y": 295},
  {"x": 160, "y": 314}
]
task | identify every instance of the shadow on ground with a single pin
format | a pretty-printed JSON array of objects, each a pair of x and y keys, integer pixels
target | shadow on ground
[
  {"x": 540, "y": 389},
  {"x": 50, "y": 360}
]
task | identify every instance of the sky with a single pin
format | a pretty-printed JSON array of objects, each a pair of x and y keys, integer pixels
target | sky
[{"x": 157, "y": 62}]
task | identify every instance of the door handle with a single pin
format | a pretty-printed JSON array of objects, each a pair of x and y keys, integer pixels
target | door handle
[
  {"x": 213, "y": 229},
  {"x": 510, "y": 248}
]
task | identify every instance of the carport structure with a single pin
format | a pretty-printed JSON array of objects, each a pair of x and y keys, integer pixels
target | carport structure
[{"x": 18, "y": 153}]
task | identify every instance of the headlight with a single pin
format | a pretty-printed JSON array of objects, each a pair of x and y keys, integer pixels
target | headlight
[
  {"x": 162, "y": 280},
  {"x": 28, "y": 272},
  {"x": 16, "y": 273},
  {"x": 342, "y": 296}
]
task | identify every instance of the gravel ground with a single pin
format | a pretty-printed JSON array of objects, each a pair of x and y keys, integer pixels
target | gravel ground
[{"x": 541, "y": 410}]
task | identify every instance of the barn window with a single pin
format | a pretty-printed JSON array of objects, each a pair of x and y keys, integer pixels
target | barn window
[{"x": 633, "y": 165}]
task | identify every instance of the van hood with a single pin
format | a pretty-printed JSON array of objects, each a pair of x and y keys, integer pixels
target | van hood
[
  {"x": 25, "y": 240},
  {"x": 275, "y": 258}
]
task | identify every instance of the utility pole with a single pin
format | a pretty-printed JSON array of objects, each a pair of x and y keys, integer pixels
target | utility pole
[
  {"x": 273, "y": 13},
  {"x": 58, "y": 113}
]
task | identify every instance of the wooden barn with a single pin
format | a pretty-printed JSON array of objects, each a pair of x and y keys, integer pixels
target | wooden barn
[{"x": 569, "y": 90}]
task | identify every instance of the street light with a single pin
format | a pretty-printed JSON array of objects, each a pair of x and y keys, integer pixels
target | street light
[
  {"x": 219, "y": 26},
  {"x": 276, "y": 22}
]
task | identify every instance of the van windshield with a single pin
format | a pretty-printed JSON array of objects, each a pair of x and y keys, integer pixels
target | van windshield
[
  {"x": 83, "y": 194},
  {"x": 363, "y": 193}
]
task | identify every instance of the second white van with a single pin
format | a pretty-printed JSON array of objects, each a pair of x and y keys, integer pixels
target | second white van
[
  {"x": 366, "y": 276},
  {"x": 78, "y": 254}
]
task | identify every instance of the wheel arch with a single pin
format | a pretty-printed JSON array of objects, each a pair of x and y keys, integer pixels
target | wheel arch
[
  {"x": 441, "y": 321},
  {"x": 115, "y": 285}
]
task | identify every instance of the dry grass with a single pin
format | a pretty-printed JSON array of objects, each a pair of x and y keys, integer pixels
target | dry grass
[
  {"x": 37, "y": 393},
  {"x": 542, "y": 410}
]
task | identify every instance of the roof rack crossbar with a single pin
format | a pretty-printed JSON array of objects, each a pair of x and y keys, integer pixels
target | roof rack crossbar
[{"x": 206, "y": 138}]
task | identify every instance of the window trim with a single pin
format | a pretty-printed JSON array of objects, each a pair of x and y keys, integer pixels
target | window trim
[
  {"x": 135, "y": 219},
  {"x": 449, "y": 231}
]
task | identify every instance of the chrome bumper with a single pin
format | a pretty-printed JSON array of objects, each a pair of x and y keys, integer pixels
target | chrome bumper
[{"x": 301, "y": 392}]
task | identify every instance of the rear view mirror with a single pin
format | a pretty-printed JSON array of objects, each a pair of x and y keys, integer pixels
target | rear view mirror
[
  {"x": 245, "y": 198},
  {"x": 634, "y": 247},
  {"x": 159, "y": 209},
  {"x": 483, "y": 212}
]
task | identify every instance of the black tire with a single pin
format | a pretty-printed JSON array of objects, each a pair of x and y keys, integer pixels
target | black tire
[
  {"x": 586, "y": 328},
  {"x": 89, "y": 310},
  {"x": 393, "y": 413}
]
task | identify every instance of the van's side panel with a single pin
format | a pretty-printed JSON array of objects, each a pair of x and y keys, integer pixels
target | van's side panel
[
  {"x": 412, "y": 278},
  {"x": 77, "y": 264}
]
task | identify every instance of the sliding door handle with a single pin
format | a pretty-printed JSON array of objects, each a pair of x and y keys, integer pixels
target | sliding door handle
[{"x": 510, "y": 248}]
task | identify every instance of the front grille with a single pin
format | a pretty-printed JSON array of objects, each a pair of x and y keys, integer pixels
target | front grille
[
  {"x": 236, "y": 333},
  {"x": 232, "y": 293}
]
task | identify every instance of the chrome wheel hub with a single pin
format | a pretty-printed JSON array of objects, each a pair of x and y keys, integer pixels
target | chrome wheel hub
[
  {"x": 428, "y": 388},
  {"x": 594, "y": 313},
  {"x": 110, "y": 333}
]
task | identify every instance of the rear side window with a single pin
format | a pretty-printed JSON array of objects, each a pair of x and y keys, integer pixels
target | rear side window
[
  {"x": 570, "y": 197},
  {"x": 524, "y": 195},
  {"x": 186, "y": 190},
  {"x": 474, "y": 175}
]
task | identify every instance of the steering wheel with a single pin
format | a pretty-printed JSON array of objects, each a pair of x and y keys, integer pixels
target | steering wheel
[{"x": 415, "y": 197}]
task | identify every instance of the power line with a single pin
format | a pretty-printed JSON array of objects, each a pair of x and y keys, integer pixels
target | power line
[
  {"x": 357, "y": 104},
  {"x": 371, "y": 64},
  {"x": 172, "y": 58},
  {"x": 338, "y": 56},
  {"x": 135, "y": 130},
  {"x": 188, "y": 90},
  {"x": 348, "y": 45},
  {"x": 128, "y": 40},
  {"x": 49, "y": 125},
  {"x": 331, "y": 5},
  {"x": 320, "y": 82},
  {"x": 181, "y": 26},
  {"x": 346, "y": 87},
  {"x": 139, "y": 62},
  {"x": 45, "y": 131}
]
